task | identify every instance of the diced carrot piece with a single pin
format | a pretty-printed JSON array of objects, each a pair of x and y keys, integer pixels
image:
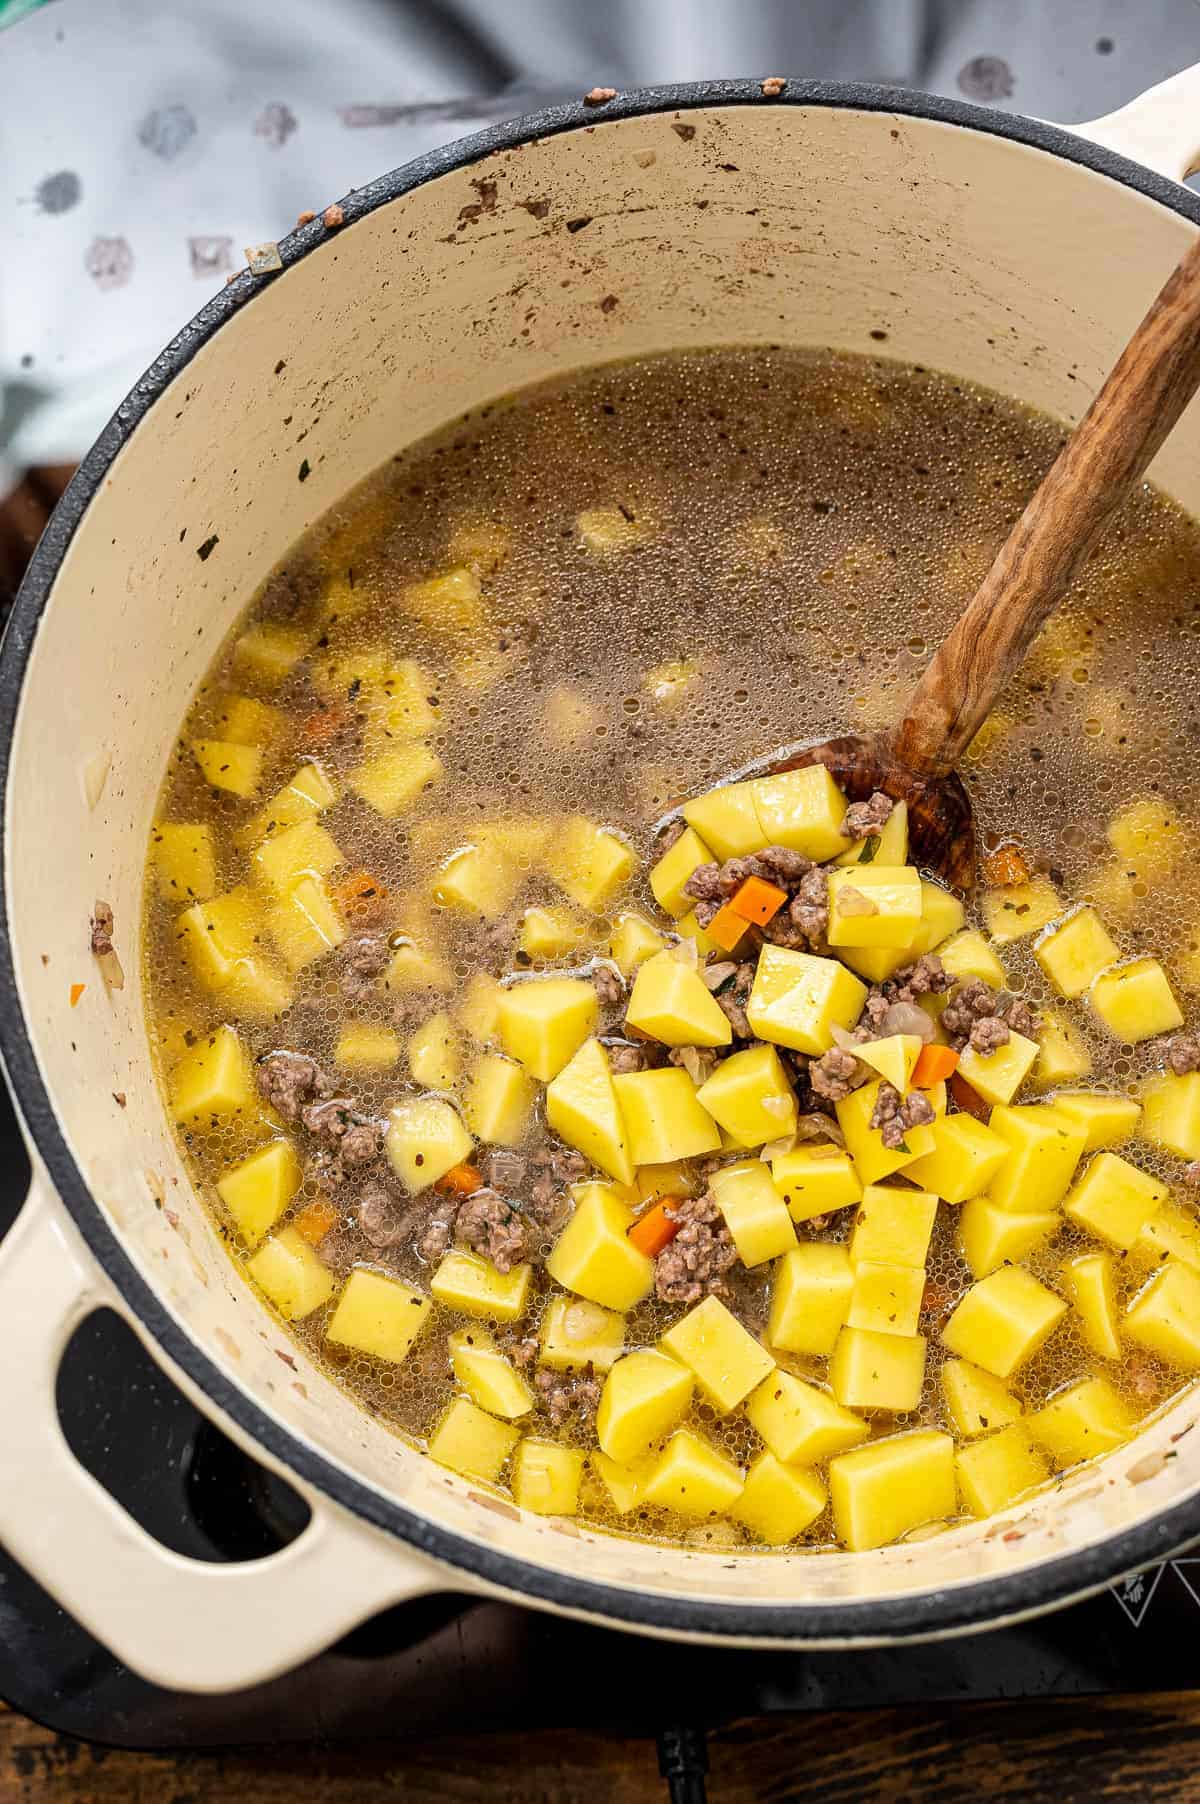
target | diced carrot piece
[
  {"x": 77, "y": 990},
  {"x": 967, "y": 1097},
  {"x": 655, "y": 1230},
  {"x": 933, "y": 1064},
  {"x": 1006, "y": 865},
  {"x": 359, "y": 893},
  {"x": 323, "y": 725},
  {"x": 461, "y": 1180},
  {"x": 315, "y": 1220},
  {"x": 727, "y": 927},
  {"x": 758, "y": 901}
]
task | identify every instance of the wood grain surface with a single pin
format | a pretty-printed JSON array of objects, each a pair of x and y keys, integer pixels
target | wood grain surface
[{"x": 1061, "y": 1752}]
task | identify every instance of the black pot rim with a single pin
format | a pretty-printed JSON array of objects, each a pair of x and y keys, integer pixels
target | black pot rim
[{"x": 960, "y": 1608}]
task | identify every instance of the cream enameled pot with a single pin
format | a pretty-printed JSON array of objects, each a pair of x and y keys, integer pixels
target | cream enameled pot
[{"x": 1014, "y": 253}]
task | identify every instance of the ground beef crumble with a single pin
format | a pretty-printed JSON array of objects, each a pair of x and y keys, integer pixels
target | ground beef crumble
[
  {"x": 102, "y": 930},
  {"x": 1183, "y": 1055},
  {"x": 893, "y": 1114},
  {"x": 978, "y": 1016},
  {"x": 776, "y": 864},
  {"x": 362, "y": 962},
  {"x": 733, "y": 996},
  {"x": 864, "y": 818},
  {"x": 567, "y": 1396},
  {"x": 288, "y": 1081},
  {"x": 835, "y": 1074},
  {"x": 488, "y": 1223},
  {"x": 606, "y": 981},
  {"x": 695, "y": 1262}
]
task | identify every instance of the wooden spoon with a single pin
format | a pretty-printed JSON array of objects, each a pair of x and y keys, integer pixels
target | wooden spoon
[{"x": 1148, "y": 388}]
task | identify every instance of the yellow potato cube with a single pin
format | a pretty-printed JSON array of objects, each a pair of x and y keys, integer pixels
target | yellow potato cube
[
  {"x": 624, "y": 1485},
  {"x": 269, "y": 652},
  {"x": 499, "y": 1101},
  {"x": 798, "y": 1000},
  {"x": 872, "y": 1159},
  {"x": 810, "y": 1295},
  {"x": 813, "y": 1180},
  {"x": 477, "y": 880},
  {"x": 305, "y": 925},
  {"x": 1135, "y": 1001},
  {"x": 398, "y": 705},
  {"x": 234, "y": 768},
  {"x": 892, "y": 1486},
  {"x": 1075, "y": 951},
  {"x": 1149, "y": 837},
  {"x": 778, "y": 1502},
  {"x": 185, "y": 861},
  {"x": 581, "y": 1107},
  {"x": 727, "y": 1360},
  {"x": 893, "y": 1058},
  {"x": 545, "y": 1021},
  {"x": 633, "y": 939},
  {"x": 545, "y": 1477},
  {"x": 473, "y": 1286},
  {"x": 289, "y": 1272},
  {"x": 967, "y": 954},
  {"x": 378, "y": 1315},
  {"x": 872, "y": 905},
  {"x": 989, "y": 1237},
  {"x": 575, "y": 1333},
  {"x": 1044, "y": 1149},
  {"x": 888, "y": 847},
  {"x": 412, "y": 967},
  {"x": 995, "y": 1472},
  {"x": 213, "y": 1080},
  {"x": 305, "y": 850},
  {"x": 244, "y": 721},
  {"x": 1105, "y": 1119},
  {"x": 470, "y": 1442},
  {"x": 608, "y": 529},
  {"x": 1062, "y": 1052},
  {"x": 966, "y": 1157},
  {"x": 588, "y": 863},
  {"x": 1172, "y": 1231},
  {"x": 751, "y": 1097},
  {"x": 550, "y": 933},
  {"x": 1114, "y": 1200},
  {"x": 216, "y": 934},
  {"x": 361, "y": 1047},
  {"x": 424, "y": 1138},
  {"x": 1171, "y": 1113},
  {"x": 942, "y": 915},
  {"x": 593, "y": 1256},
  {"x": 1088, "y": 1281},
  {"x": 1082, "y": 1422},
  {"x": 869, "y": 1370},
  {"x": 727, "y": 820},
  {"x": 886, "y": 1298},
  {"x": 1116, "y": 888},
  {"x": 671, "y": 1003},
  {"x": 672, "y": 1179},
  {"x": 669, "y": 876},
  {"x": 754, "y": 1211},
  {"x": 976, "y": 1402},
  {"x": 481, "y": 544},
  {"x": 310, "y": 792},
  {"x": 489, "y": 1379},
  {"x": 644, "y": 1396},
  {"x": 893, "y": 1226},
  {"x": 434, "y": 1053},
  {"x": 799, "y": 1423},
  {"x": 691, "y": 1478},
  {"x": 448, "y": 601},
  {"x": 997, "y": 1076},
  {"x": 1020, "y": 909},
  {"x": 662, "y": 1117},
  {"x": 802, "y": 809},
  {"x": 258, "y": 1190},
  {"x": 256, "y": 991},
  {"x": 1003, "y": 1320},
  {"x": 1164, "y": 1317}
]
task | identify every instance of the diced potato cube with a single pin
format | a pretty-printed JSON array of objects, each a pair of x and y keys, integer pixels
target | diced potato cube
[
  {"x": 594, "y": 1257},
  {"x": 1114, "y": 1200},
  {"x": 976, "y": 1401},
  {"x": 727, "y": 820},
  {"x": 669, "y": 682},
  {"x": 550, "y": 933},
  {"x": 581, "y": 1107},
  {"x": 412, "y": 967},
  {"x": 727, "y": 1360},
  {"x": 691, "y": 1478},
  {"x": 997, "y": 1076},
  {"x": 1020, "y": 909},
  {"x": 363, "y": 1047},
  {"x": 894, "y": 1058},
  {"x": 994, "y": 1472},
  {"x": 519, "y": 838},
  {"x": 1003, "y": 1320},
  {"x": 424, "y": 1138},
  {"x": 235, "y": 768},
  {"x": 258, "y": 1190},
  {"x": 810, "y": 1294},
  {"x": 545, "y": 1477},
  {"x": 434, "y": 1053},
  {"x": 872, "y": 905},
  {"x": 754, "y": 1211},
  {"x": 942, "y": 914},
  {"x": 623, "y": 1484},
  {"x": 674, "y": 1178},
  {"x": 269, "y": 652},
  {"x": 1062, "y": 1052},
  {"x": 798, "y": 999},
  {"x": 1044, "y": 1149},
  {"x": 662, "y": 1117},
  {"x": 869, "y": 1370},
  {"x": 1105, "y": 1119},
  {"x": 185, "y": 861},
  {"x": 1116, "y": 888},
  {"x": 1135, "y": 1001},
  {"x": 482, "y": 545},
  {"x": 644, "y": 1396},
  {"x": 476, "y": 881},
  {"x": 966, "y": 1157},
  {"x": 813, "y": 1180},
  {"x": 671, "y": 1003},
  {"x": 288, "y": 1271},
  {"x": 669, "y": 876},
  {"x": 750, "y": 1096},
  {"x": 256, "y": 991},
  {"x": 799, "y": 1423},
  {"x": 893, "y": 1226},
  {"x": 1088, "y": 1281},
  {"x": 1149, "y": 837},
  {"x": 989, "y": 1237},
  {"x": 872, "y": 1159},
  {"x": 310, "y": 792},
  {"x": 575, "y": 1333},
  {"x": 393, "y": 781},
  {"x": 212, "y": 1080},
  {"x": 1075, "y": 951},
  {"x": 802, "y": 809},
  {"x": 1171, "y": 1113},
  {"x": 453, "y": 600},
  {"x": 1172, "y": 1231},
  {"x": 471, "y": 1442},
  {"x": 378, "y": 1315},
  {"x": 499, "y": 1101},
  {"x": 544, "y": 1021},
  {"x": 967, "y": 954},
  {"x": 778, "y": 1502},
  {"x": 473, "y": 1286},
  {"x": 633, "y": 939},
  {"x": 608, "y": 529},
  {"x": 888, "y": 847},
  {"x": 398, "y": 705},
  {"x": 353, "y": 676},
  {"x": 892, "y": 1486},
  {"x": 305, "y": 850},
  {"x": 489, "y": 1379},
  {"x": 1082, "y": 1422},
  {"x": 588, "y": 863},
  {"x": 244, "y": 721},
  {"x": 305, "y": 924},
  {"x": 1164, "y": 1317},
  {"x": 216, "y": 934},
  {"x": 886, "y": 1298}
]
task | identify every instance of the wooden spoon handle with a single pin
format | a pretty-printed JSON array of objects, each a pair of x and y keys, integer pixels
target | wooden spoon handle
[{"x": 1151, "y": 383}]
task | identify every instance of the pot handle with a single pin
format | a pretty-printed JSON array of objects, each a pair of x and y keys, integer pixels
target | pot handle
[
  {"x": 182, "y": 1623},
  {"x": 1161, "y": 128}
]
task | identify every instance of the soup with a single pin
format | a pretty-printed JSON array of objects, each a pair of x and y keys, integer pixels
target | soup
[{"x": 661, "y": 1147}]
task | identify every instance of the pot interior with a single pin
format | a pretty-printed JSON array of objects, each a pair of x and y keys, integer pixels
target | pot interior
[{"x": 807, "y": 225}]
